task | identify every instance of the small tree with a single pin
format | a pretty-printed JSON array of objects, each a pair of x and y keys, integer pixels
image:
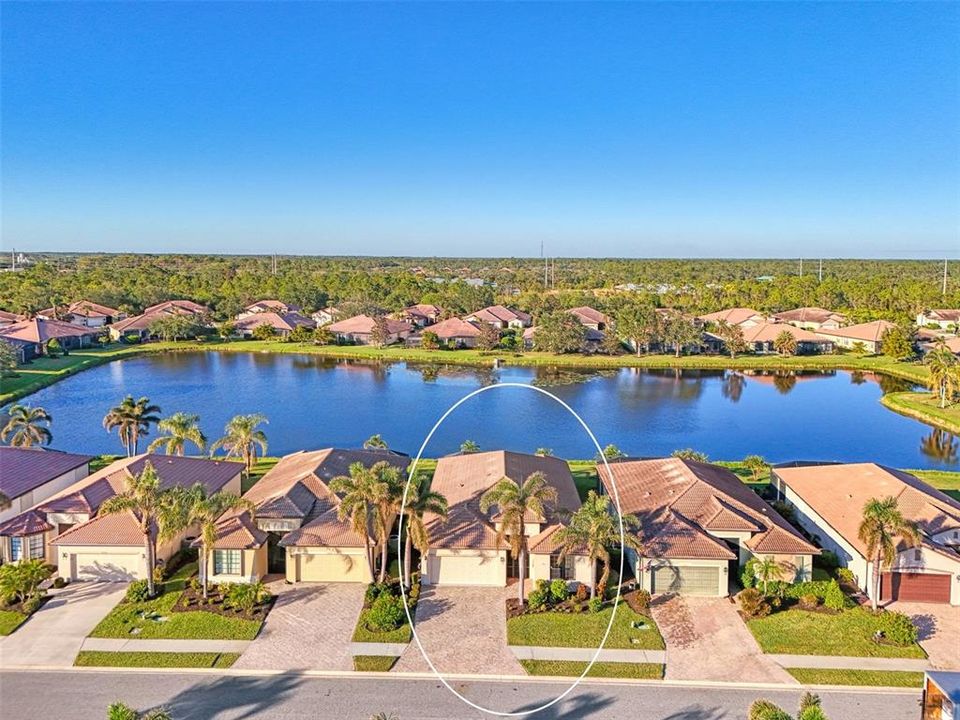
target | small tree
[
  {"x": 611, "y": 345},
  {"x": 301, "y": 334},
  {"x": 610, "y": 452},
  {"x": 785, "y": 343},
  {"x": 559, "y": 332},
  {"x": 638, "y": 322},
  {"x": 226, "y": 330},
  {"x": 897, "y": 343},
  {"x": 769, "y": 569},
  {"x": 680, "y": 332},
  {"x": 489, "y": 338},
  {"x": 690, "y": 454},
  {"x": 375, "y": 442},
  {"x": 469, "y": 446},
  {"x": 756, "y": 465},
  {"x": 732, "y": 336},
  {"x": 263, "y": 332},
  {"x": 429, "y": 340},
  {"x": 380, "y": 335},
  {"x": 543, "y": 452},
  {"x": 322, "y": 336},
  {"x": 8, "y": 359}
]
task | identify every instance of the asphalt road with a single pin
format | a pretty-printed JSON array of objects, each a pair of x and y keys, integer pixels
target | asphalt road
[{"x": 85, "y": 695}]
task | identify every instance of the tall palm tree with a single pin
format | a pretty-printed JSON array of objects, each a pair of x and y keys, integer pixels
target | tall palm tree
[
  {"x": 360, "y": 492},
  {"x": 203, "y": 511},
  {"x": 241, "y": 438},
  {"x": 880, "y": 529},
  {"x": 387, "y": 509},
  {"x": 594, "y": 529},
  {"x": 154, "y": 509},
  {"x": 420, "y": 501},
  {"x": 180, "y": 428},
  {"x": 515, "y": 502},
  {"x": 944, "y": 372},
  {"x": 132, "y": 419},
  {"x": 27, "y": 426}
]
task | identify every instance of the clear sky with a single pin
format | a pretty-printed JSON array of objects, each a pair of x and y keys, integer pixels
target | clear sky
[{"x": 628, "y": 129}]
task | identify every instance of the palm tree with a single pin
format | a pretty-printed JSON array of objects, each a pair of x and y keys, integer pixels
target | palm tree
[
  {"x": 375, "y": 442},
  {"x": 785, "y": 343},
  {"x": 944, "y": 372},
  {"x": 756, "y": 465},
  {"x": 469, "y": 446},
  {"x": 420, "y": 501},
  {"x": 203, "y": 511},
  {"x": 769, "y": 569},
  {"x": 360, "y": 492},
  {"x": 241, "y": 438},
  {"x": 132, "y": 419},
  {"x": 154, "y": 509},
  {"x": 387, "y": 508},
  {"x": 595, "y": 529},
  {"x": 180, "y": 428},
  {"x": 27, "y": 426},
  {"x": 516, "y": 502},
  {"x": 880, "y": 529}
]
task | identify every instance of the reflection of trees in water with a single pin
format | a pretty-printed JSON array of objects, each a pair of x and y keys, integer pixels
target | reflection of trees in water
[
  {"x": 430, "y": 372},
  {"x": 640, "y": 386},
  {"x": 733, "y": 386},
  {"x": 547, "y": 376},
  {"x": 890, "y": 384},
  {"x": 784, "y": 382},
  {"x": 940, "y": 445},
  {"x": 857, "y": 377}
]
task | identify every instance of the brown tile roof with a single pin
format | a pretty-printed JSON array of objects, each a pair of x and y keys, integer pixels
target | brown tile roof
[
  {"x": 499, "y": 313},
  {"x": 155, "y": 312},
  {"x": 84, "y": 308},
  {"x": 189, "y": 306},
  {"x": 946, "y": 315},
  {"x": 26, "y": 469},
  {"x": 120, "y": 529},
  {"x": 37, "y": 330},
  {"x": 363, "y": 325},
  {"x": 277, "y": 306},
  {"x": 326, "y": 530},
  {"x": 679, "y": 500},
  {"x": 545, "y": 542},
  {"x": 838, "y": 493},
  {"x": 809, "y": 314},
  {"x": 588, "y": 316},
  {"x": 284, "y": 322},
  {"x": 9, "y": 316},
  {"x": 870, "y": 332},
  {"x": 768, "y": 332},
  {"x": 733, "y": 316},
  {"x": 423, "y": 310},
  {"x": 238, "y": 532},
  {"x": 30, "y": 522},
  {"x": 462, "y": 479},
  {"x": 454, "y": 328}
]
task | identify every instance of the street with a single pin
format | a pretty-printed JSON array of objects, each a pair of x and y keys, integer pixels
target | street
[{"x": 79, "y": 695}]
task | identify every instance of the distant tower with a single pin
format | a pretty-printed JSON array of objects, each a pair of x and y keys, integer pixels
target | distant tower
[
  {"x": 820, "y": 271},
  {"x": 944, "y": 289}
]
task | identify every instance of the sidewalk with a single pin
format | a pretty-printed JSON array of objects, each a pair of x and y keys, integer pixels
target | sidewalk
[
  {"x": 533, "y": 652},
  {"x": 178, "y": 646},
  {"x": 836, "y": 662}
]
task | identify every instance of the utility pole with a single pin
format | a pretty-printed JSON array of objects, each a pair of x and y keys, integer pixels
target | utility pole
[
  {"x": 944, "y": 290},
  {"x": 274, "y": 264},
  {"x": 13, "y": 259},
  {"x": 801, "y": 267},
  {"x": 820, "y": 272}
]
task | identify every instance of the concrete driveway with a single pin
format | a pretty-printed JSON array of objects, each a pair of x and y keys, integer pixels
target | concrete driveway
[
  {"x": 53, "y": 635},
  {"x": 464, "y": 630},
  {"x": 310, "y": 628},
  {"x": 707, "y": 640},
  {"x": 939, "y": 631}
]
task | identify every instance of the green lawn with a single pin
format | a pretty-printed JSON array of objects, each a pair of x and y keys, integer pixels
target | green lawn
[
  {"x": 925, "y": 407},
  {"x": 260, "y": 468},
  {"x": 573, "y": 668},
  {"x": 198, "y": 625},
  {"x": 800, "y": 632},
  {"x": 362, "y": 634},
  {"x": 879, "y": 678},
  {"x": 584, "y": 476},
  {"x": 10, "y": 621},
  {"x": 584, "y": 629},
  {"x": 373, "y": 663},
  {"x": 97, "y": 658}
]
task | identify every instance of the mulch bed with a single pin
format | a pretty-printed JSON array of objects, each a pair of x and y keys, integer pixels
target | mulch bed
[
  {"x": 18, "y": 607},
  {"x": 190, "y": 601}
]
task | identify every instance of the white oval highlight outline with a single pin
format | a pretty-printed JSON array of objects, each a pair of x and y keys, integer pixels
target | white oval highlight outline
[{"x": 401, "y": 548}]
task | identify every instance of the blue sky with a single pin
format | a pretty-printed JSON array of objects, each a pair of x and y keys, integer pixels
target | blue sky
[{"x": 483, "y": 129}]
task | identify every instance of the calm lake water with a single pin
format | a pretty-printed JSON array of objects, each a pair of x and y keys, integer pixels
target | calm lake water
[{"x": 314, "y": 402}]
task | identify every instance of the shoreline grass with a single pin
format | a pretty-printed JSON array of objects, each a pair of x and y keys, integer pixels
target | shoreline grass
[
  {"x": 574, "y": 669},
  {"x": 872, "y": 678},
  {"x": 923, "y": 406},
  {"x": 106, "y": 658}
]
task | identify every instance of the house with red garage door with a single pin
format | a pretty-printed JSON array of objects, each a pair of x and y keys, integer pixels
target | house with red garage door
[{"x": 829, "y": 500}]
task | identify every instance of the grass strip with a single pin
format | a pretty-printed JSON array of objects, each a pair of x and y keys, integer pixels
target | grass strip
[
  {"x": 585, "y": 629},
  {"x": 10, "y": 621},
  {"x": 574, "y": 668},
  {"x": 878, "y": 678},
  {"x": 102, "y": 658},
  {"x": 373, "y": 663}
]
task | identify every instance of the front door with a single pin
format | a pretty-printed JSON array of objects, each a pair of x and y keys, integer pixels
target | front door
[
  {"x": 513, "y": 565},
  {"x": 276, "y": 555}
]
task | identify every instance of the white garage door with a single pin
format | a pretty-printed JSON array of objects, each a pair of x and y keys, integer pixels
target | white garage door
[
  {"x": 106, "y": 567},
  {"x": 687, "y": 580},
  {"x": 466, "y": 570}
]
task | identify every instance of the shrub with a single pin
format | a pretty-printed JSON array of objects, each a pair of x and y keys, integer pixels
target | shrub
[
  {"x": 814, "y": 712},
  {"x": 766, "y": 710},
  {"x": 642, "y": 600},
  {"x": 559, "y": 591},
  {"x": 595, "y": 604},
  {"x": 809, "y": 601},
  {"x": 158, "y": 574},
  {"x": 244, "y": 596},
  {"x": 386, "y": 613},
  {"x": 747, "y": 577},
  {"x": 60, "y": 582},
  {"x": 120, "y": 711},
  {"x": 21, "y": 580},
  {"x": 158, "y": 714},
  {"x": 138, "y": 591},
  {"x": 375, "y": 590},
  {"x": 538, "y": 598},
  {"x": 32, "y": 604},
  {"x": 898, "y": 628},
  {"x": 834, "y": 598},
  {"x": 846, "y": 576},
  {"x": 195, "y": 584},
  {"x": 583, "y": 592},
  {"x": 829, "y": 560},
  {"x": 785, "y": 510},
  {"x": 753, "y": 604},
  {"x": 809, "y": 700}
]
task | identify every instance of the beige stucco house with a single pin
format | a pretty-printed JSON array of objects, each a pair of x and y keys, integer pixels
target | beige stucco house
[
  {"x": 699, "y": 523},
  {"x": 30, "y": 475},
  {"x": 811, "y": 318}
]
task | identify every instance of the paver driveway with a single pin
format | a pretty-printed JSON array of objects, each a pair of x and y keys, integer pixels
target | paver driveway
[
  {"x": 464, "y": 630},
  {"x": 939, "y": 627},
  {"x": 309, "y": 628},
  {"x": 53, "y": 635},
  {"x": 707, "y": 640}
]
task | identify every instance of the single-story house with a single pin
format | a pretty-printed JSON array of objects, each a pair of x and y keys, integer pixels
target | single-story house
[
  {"x": 293, "y": 529},
  {"x": 829, "y": 501},
  {"x": 500, "y": 317},
  {"x": 811, "y": 318},
  {"x": 83, "y": 312},
  {"x": 744, "y": 317},
  {"x": 868, "y": 334},
  {"x": 589, "y": 317},
  {"x": 941, "y": 695},
  {"x": 67, "y": 530},
  {"x": 421, "y": 315},
  {"x": 699, "y": 523},
  {"x": 282, "y": 323},
  {"x": 325, "y": 316},
  {"x": 463, "y": 548},
  {"x": 457, "y": 333},
  {"x": 762, "y": 337},
  {"x": 359, "y": 330},
  {"x": 273, "y": 306},
  {"x": 31, "y": 337},
  {"x": 945, "y": 319},
  {"x": 8, "y": 318},
  {"x": 140, "y": 325},
  {"x": 29, "y": 475}
]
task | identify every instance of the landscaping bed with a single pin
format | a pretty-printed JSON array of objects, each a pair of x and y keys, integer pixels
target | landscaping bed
[
  {"x": 383, "y": 619},
  {"x": 98, "y": 658},
  {"x": 878, "y": 678},
  {"x": 574, "y": 668}
]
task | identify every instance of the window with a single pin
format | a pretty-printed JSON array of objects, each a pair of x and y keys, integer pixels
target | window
[
  {"x": 16, "y": 549},
  {"x": 561, "y": 571},
  {"x": 226, "y": 562},
  {"x": 918, "y": 555},
  {"x": 35, "y": 546}
]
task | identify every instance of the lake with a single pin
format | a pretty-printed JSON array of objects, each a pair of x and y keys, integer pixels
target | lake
[{"x": 314, "y": 402}]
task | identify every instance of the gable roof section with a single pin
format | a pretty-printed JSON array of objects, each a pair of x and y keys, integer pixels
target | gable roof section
[
  {"x": 282, "y": 321},
  {"x": 588, "y": 315},
  {"x": 868, "y": 332},
  {"x": 363, "y": 325},
  {"x": 809, "y": 314},
  {"x": 454, "y": 328},
  {"x": 733, "y": 316},
  {"x": 499, "y": 313},
  {"x": 37, "y": 330},
  {"x": 26, "y": 469},
  {"x": 768, "y": 332}
]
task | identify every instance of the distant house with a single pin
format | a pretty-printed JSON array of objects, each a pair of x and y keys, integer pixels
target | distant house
[
  {"x": 66, "y": 530},
  {"x": 699, "y": 523},
  {"x": 869, "y": 334},
  {"x": 85, "y": 313},
  {"x": 829, "y": 501},
  {"x": 325, "y": 316},
  {"x": 359, "y": 330},
  {"x": 464, "y": 549},
  {"x": 186, "y": 306},
  {"x": 944, "y": 319},
  {"x": 590, "y": 318},
  {"x": 282, "y": 323},
  {"x": 744, "y": 317},
  {"x": 31, "y": 337},
  {"x": 500, "y": 317},
  {"x": 762, "y": 338},
  {"x": 140, "y": 325},
  {"x": 591, "y": 338},
  {"x": 8, "y": 318},
  {"x": 421, "y": 315},
  {"x": 811, "y": 318},
  {"x": 457, "y": 333},
  {"x": 29, "y": 475},
  {"x": 263, "y": 306}
]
